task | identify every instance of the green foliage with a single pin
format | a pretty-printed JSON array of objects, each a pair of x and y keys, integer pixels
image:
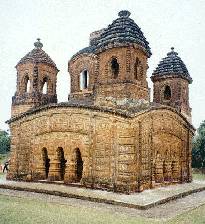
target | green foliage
[
  {"x": 198, "y": 152},
  {"x": 4, "y": 142},
  {"x": 3, "y": 158}
]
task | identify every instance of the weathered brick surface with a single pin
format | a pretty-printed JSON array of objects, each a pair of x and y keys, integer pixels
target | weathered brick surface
[
  {"x": 101, "y": 80},
  {"x": 108, "y": 135},
  {"x": 36, "y": 73},
  {"x": 171, "y": 72},
  {"x": 124, "y": 154},
  {"x": 180, "y": 94}
]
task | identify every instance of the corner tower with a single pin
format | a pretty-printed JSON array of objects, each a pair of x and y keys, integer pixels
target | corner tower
[
  {"x": 171, "y": 81},
  {"x": 36, "y": 81},
  {"x": 114, "y": 66}
]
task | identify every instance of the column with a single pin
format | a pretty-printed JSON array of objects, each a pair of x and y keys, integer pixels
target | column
[{"x": 54, "y": 170}]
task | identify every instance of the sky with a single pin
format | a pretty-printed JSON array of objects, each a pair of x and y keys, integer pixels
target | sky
[{"x": 64, "y": 27}]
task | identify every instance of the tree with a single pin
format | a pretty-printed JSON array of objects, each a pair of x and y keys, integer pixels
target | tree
[
  {"x": 4, "y": 142},
  {"x": 198, "y": 151}
]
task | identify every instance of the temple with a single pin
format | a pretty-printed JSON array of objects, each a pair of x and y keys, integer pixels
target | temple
[{"x": 108, "y": 135}]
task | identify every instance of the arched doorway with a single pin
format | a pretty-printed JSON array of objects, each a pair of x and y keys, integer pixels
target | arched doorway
[
  {"x": 46, "y": 161},
  {"x": 62, "y": 162},
  {"x": 79, "y": 165}
]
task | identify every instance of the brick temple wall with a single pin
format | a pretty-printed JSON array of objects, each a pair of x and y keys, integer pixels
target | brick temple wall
[{"x": 118, "y": 153}]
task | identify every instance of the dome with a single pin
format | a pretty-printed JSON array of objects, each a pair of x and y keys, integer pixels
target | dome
[
  {"x": 37, "y": 55},
  {"x": 122, "y": 32},
  {"x": 172, "y": 65}
]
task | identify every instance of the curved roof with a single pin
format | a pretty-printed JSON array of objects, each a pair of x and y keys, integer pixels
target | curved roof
[
  {"x": 122, "y": 32},
  {"x": 172, "y": 65},
  {"x": 37, "y": 55},
  {"x": 132, "y": 113}
]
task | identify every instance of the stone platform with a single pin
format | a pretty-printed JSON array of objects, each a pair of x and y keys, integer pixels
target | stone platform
[{"x": 143, "y": 200}]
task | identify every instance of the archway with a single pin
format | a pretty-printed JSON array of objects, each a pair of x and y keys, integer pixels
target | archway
[
  {"x": 84, "y": 79},
  {"x": 45, "y": 86},
  {"x": 46, "y": 161},
  {"x": 62, "y": 162},
  {"x": 79, "y": 165},
  {"x": 26, "y": 84}
]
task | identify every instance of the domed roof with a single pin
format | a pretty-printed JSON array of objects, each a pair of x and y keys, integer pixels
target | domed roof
[
  {"x": 122, "y": 32},
  {"x": 37, "y": 55},
  {"x": 172, "y": 65}
]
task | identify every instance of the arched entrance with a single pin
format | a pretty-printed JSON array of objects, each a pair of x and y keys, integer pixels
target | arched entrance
[
  {"x": 46, "y": 161},
  {"x": 62, "y": 162},
  {"x": 79, "y": 165}
]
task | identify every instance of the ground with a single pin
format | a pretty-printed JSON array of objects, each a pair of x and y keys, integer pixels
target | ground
[{"x": 26, "y": 207}]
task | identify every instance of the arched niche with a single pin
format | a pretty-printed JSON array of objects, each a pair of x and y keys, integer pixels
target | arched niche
[
  {"x": 62, "y": 161},
  {"x": 45, "y": 85},
  {"x": 26, "y": 84},
  {"x": 115, "y": 67},
  {"x": 138, "y": 70},
  {"x": 79, "y": 164},
  {"x": 167, "y": 93}
]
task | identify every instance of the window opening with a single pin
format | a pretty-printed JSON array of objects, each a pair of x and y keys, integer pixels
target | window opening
[{"x": 115, "y": 67}]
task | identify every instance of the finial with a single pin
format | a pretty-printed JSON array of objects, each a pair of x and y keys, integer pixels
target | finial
[
  {"x": 38, "y": 44},
  {"x": 124, "y": 13},
  {"x": 172, "y": 53}
]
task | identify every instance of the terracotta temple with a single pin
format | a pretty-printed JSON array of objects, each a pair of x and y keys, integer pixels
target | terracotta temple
[{"x": 109, "y": 134}]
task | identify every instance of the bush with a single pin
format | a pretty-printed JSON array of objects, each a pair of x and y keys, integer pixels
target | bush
[
  {"x": 198, "y": 151},
  {"x": 4, "y": 142}
]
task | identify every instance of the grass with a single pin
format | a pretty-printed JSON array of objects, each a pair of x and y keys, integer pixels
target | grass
[
  {"x": 195, "y": 216},
  {"x": 198, "y": 176},
  {"x": 15, "y": 210}
]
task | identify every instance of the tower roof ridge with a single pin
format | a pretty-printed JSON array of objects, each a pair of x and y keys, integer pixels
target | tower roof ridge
[
  {"x": 37, "y": 55},
  {"x": 123, "y": 31},
  {"x": 172, "y": 64}
]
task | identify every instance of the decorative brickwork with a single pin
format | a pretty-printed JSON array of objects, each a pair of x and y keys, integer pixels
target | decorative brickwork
[
  {"x": 172, "y": 73},
  {"x": 34, "y": 71},
  {"x": 116, "y": 151},
  {"x": 108, "y": 135}
]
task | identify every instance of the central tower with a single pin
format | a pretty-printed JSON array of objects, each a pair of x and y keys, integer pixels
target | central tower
[{"x": 113, "y": 69}]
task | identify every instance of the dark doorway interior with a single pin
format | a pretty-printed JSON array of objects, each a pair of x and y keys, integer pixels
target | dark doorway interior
[
  {"x": 61, "y": 158},
  {"x": 46, "y": 161},
  {"x": 167, "y": 93},
  {"x": 79, "y": 165}
]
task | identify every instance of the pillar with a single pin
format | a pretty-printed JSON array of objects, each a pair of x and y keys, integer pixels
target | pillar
[
  {"x": 70, "y": 172},
  {"x": 54, "y": 170}
]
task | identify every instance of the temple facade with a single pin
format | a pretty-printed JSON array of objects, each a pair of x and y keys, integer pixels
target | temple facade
[{"x": 108, "y": 135}]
